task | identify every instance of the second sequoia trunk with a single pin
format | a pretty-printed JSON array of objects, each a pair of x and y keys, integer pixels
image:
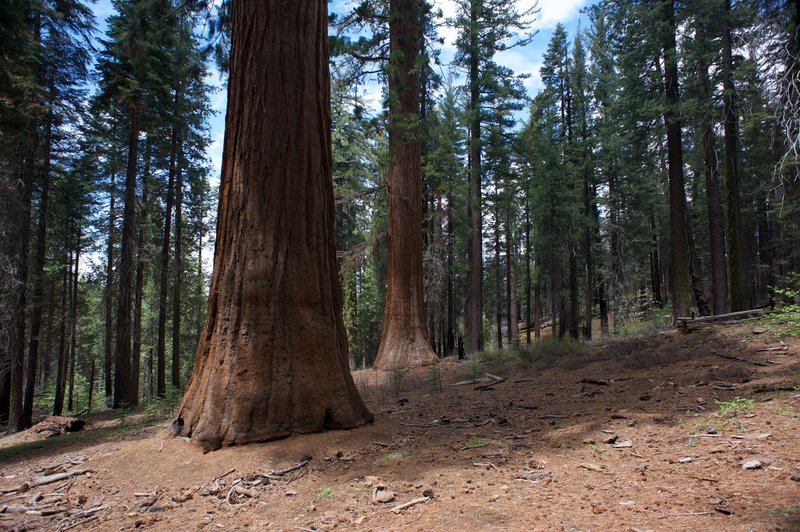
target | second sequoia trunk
[{"x": 404, "y": 342}]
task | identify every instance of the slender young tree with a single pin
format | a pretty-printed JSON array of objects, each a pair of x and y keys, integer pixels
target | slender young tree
[{"x": 275, "y": 325}]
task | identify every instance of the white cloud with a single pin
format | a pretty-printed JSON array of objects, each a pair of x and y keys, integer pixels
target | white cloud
[{"x": 551, "y": 12}]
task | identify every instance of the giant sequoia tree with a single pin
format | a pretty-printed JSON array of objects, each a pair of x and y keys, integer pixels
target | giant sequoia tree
[
  {"x": 404, "y": 342},
  {"x": 272, "y": 359}
]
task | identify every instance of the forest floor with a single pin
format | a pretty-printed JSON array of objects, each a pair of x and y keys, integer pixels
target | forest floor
[{"x": 663, "y": 431}]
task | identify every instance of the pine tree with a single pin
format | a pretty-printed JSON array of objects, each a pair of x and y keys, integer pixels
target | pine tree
[{"x": 485, "y": 28}]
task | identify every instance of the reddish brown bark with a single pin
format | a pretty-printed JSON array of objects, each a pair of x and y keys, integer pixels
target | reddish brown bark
[
  {"x": 272, "y": 360},
  {"x": 404, "y": 342}
]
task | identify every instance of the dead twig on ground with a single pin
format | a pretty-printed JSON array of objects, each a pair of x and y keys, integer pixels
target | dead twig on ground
[
  {"x": 409, "y": 504},
  {"x": 223, "y": 475}
]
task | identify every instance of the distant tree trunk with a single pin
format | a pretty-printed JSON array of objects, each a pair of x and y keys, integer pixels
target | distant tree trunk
[
  {"x": 573, "y": 292},
  {"x": 275, "y": 324},
  {"x": 73, "y": 321},
  {"x": 498, "y": 287},
  {"x": 91, "y": 388},
  {"x": 736, "y": 250},
  {"x": 694, "y": 271},
  {"x": 139, "y": 283},
  {"x": 512, "y": 318},
  {"x": 58, "y": 402},
  {"x": 716, "y": 233},
  {"x": 404, "y": 342},
  {"x": 679, "y": 252},
  {"x": 176, "y": 288},
  {"x": 19, "y": 255},
  {"x": 602, "y": 305},
  {"x": 537, "y": 298},
  {"x": 655, "y": 264},
  {"x": 588, "y": 236},
  {"x": 475, "y": 246},
  {"x": 47, "y": 355},
  {"x": 38, "y": 281},
  {"x": 450, "y": 336},
  {"x": 528, "y": 287},
  {"x": 161, "y": 349},
  {"x": 109, "y": 294},
  {"x": 124, "y": 394}
]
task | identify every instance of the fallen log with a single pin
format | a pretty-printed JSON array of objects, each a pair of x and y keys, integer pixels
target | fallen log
[{"x": 686, "y": 324}]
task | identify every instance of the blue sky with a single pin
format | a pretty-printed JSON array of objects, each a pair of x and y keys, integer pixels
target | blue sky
[{"x": 527, "y": 60}]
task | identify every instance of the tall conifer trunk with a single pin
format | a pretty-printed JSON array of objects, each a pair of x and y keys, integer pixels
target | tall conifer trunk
[
  {"x": 38, "y": 280},
  {"x": 404, "y": 342},
  {"x": 679, "y": 252},
  {"x": 716, "y": 233},
  {"x": 139, "y": 283},
  {"x": 275, "y": 325},
  {"x": 124, "y": 394},
  {"x": 73, "y": 322},
  {"x": 736, "y": 249},
  {"x": 498, "y": 277},
  {"x": 161, "y": 349},
  {"x": 108, "y": 346},
  {"x": 512, "y": 315},
  {"x": 176, "y": 287},
  {"x": 475, "y": 246},
  {"x": 58, "y": 402}
]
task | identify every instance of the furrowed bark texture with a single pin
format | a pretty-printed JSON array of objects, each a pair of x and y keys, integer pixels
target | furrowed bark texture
[{"x": 273, "y": 358}]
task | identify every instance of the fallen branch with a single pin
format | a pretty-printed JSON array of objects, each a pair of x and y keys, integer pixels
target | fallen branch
[
  {"x": 553, "y": 416},
  {"x": 48, "y": 479},
  {"x": 485, "y": 464},
  {"x": 409, "y": 504},
  {"x": 281, "y": 472},
  {"x": 598, "y": 382},
  {"x": 739, "y": 359},
  {"x": 223, "y": 475}
]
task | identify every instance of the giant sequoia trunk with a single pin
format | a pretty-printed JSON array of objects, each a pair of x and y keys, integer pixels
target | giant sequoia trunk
[
  {"x": 404, "y": 342},
  {"x": 273, "y": 358}
]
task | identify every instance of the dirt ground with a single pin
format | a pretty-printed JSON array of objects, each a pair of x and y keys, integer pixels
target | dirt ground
[{"x": 641, "y": 433}]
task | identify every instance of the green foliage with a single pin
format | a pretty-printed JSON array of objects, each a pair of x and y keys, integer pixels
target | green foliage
[
  {"x": 476, "y": 441},
  {"x": 324, "y": 493},
  {"x": 553, "y": 348},
  {"x": 396, "y": 455},
  {"x": 163, "y": 408},
  {"x": 784, "y": 319},
  {"x": 735, "y": 405},
  {"x": 644, "y": 317}
]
